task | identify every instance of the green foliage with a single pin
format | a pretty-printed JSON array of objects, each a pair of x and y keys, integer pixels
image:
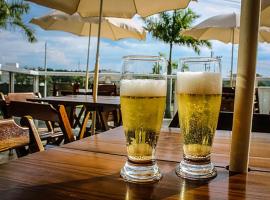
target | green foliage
[
  {"x": 11, "y": 13},
  {"x": 185, "y": 67},
  {"x": 167, "y": 26}
]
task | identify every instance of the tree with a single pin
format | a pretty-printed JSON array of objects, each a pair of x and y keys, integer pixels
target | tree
[
  {"x": 11, "y": 13},
  {"x": 167, "y": 27}
]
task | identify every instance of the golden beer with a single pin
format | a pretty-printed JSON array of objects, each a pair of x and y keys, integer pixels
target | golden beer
[
  {"x": 198, "y": 119},
  {"x": 142, "y": 120},
  {"x": 142, "y": 106},
  {"x": 143, "y": 90},
  {"x": 199, "y": 99}
]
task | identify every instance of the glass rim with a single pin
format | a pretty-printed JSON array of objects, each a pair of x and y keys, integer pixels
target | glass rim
[
  {"x": 199, "y": 59},
  {"x": 147, "y": 58}
]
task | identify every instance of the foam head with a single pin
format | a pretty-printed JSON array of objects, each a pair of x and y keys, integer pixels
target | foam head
[
  {"x": 143, "y": 88},
  {"x": 199, "y": 83}
]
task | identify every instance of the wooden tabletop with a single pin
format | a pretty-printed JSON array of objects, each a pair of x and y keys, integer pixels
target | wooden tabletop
[
  {"x": 170, "y": 146},
  {"x": 87, "y": 100},
  {"x": 89, "y": 169}
]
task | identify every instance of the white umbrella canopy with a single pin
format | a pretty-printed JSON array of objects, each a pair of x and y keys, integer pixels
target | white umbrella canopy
[
  {"x": 114, "y": 8},
  {"x": 224, "y": 28},
  {"x": 265, "y": 13},
  {"x": 112, "y": 28}
]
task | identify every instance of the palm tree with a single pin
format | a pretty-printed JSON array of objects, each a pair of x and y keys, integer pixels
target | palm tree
[
  {"x": 11, "y": 13},
  {"x": 166, "y": 27}
]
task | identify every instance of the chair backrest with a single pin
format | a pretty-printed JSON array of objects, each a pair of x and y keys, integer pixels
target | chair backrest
[
  {"x": 20, "y": 96},
  {"x": 43, "y": 112},
  {"x": 38, "y": 111},
  {"x": 227, "y": 102},
  {"x": 228, "y": 96},
  {"x": 260, "y": 122},
  {"x": 12, "y": 135},
  {"x": 107, "y": 89}
]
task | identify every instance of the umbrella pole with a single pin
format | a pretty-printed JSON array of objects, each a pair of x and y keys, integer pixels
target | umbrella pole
[
  {"x": 244, "y": 94},
  {"x": 95, "y": 87},
  {"x": 87, "y": 62},
  {"x": 231, "y": 73},
  {"x": 45, "y": 69}
]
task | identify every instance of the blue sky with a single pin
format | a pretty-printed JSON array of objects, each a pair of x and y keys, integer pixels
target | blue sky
[{"x": 66, "y": 51}]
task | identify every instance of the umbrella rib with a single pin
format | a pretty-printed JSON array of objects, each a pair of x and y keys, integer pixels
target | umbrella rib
[
  {"x": 115, "y": 38},
  {"x": 135, "y": 6}
]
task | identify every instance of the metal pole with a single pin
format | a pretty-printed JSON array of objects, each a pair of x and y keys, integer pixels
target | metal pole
[
  {"x": 231, "y": 74},
  {"x": 45, "y": 69},
  {"x": 244, "y": 95},
  {"x": 95, "y": 87},
  {"x": 87, "y": 62}
]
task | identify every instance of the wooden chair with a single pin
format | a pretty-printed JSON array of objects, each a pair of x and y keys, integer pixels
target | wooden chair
[
  {"x": 44, "y": 112},
  {"x": 20, "y": 96},
  {"x": 228, "y": 96},
  {"x": 13, "y": 136},
  {"x": 106, "y": 89},
  {"x": 260, "y": 122},
  {"x": 111, "y": 116}
]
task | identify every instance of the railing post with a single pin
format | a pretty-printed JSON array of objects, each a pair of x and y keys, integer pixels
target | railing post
[
  {"x": 36, "y": 84},
  {"x": 11, "y": 81}
]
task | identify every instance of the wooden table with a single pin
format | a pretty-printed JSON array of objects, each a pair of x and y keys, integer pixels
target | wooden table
[
  {"x": 103, "y": 104},
  {"x": 89, "y": 169}
]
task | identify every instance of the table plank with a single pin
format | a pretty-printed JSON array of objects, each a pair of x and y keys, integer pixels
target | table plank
[
  {"x": 169, "y": 147},
  {"x": 63, "y": 173},
  {"x": 87, "y": 100}
]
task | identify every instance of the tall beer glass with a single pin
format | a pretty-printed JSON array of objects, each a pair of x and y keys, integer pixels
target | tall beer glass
[
  {"x": 142, "y": 96},
  {"x": 199, "y": 88}
]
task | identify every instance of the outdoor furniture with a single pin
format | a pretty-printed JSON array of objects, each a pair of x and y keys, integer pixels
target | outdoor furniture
[
  {"x": 20, "y": 96},
  {"x": 114, "y": 116},
  {"x": 89, "y": 169},
  {"x": 228, "y": 96},
  {"x": 45, "y": 112},
  {"x": 12, "y": 136},
  {"x": 103, "y": 104},
  {"x": 260, "y": 122}
]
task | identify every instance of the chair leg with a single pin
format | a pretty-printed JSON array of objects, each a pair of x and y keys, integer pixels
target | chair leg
[{"x": 82, "y": 132}]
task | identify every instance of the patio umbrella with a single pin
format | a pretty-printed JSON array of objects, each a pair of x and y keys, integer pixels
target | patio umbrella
[
  {"x": 111, "y": 8},
  {"x": 112, "y": 28},
  {"x": 265, "y": 13},
  {"x": 224, "y": 28}
]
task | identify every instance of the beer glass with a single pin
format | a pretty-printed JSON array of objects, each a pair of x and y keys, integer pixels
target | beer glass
[
  {"x": 142, "y": 95},
  {"x": 199, "y": 88}
]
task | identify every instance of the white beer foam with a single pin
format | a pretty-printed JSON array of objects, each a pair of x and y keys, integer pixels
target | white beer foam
[
  {"x": 143, "y": 87},
  {"x": 199, "y": 83}
]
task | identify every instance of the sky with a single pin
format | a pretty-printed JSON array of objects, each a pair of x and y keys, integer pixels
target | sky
[{"x": 67, "y": 51}]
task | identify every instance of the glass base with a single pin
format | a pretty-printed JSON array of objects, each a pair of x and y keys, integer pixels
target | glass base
[
  {"x": 196, "y": 170},
  {"x": 140, "y": 173}
]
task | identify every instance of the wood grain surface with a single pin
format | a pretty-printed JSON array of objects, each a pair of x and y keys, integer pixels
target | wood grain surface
[
  {"x": 63, "y": 173},
  {"x": 169, "y": 147},
  {"x": 103, "y": 102}
]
